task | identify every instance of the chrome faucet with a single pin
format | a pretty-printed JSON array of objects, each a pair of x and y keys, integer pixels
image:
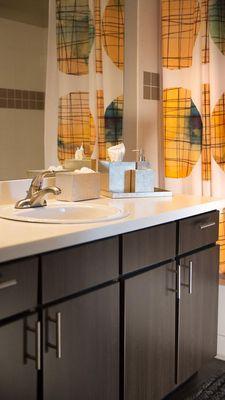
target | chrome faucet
[{"x": 35, "y": 194}]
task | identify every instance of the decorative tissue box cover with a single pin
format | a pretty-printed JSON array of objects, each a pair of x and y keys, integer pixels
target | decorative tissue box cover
[
  {"x": 78, "y": 187},
  {"x": 142, "y": 180},
  {"x": 73, "y": 164},
  {"x": 113, "y": 177}
]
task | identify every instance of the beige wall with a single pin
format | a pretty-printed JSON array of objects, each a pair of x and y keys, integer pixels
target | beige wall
[
  {"x": 21, "y": 142},
  {"x": 142, "y": 125},
  {"x": 23, "y": 50},
  {"x": 130, "y": 124},
  {"x": 22, "y": 66},
  {"x": 148, "y": 60}
]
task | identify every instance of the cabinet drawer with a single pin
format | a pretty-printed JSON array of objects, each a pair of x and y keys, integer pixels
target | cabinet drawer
[
  {"x": 148, "y": 246},
  {"x": 18, "y": 286},
  {"x": 68, "y": 271},
  {"x": 198, "y": 231}
]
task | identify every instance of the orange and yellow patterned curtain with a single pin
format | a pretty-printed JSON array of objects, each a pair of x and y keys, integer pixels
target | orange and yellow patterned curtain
[
  {"x": 193, "y": 55},
  {"x": 90, "y": 61}
]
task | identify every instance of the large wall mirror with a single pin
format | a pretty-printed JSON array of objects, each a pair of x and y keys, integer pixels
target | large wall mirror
[
  {"x": 23, "y": 44},
  {"x": 24, "y": 34},
  {"x": 43, "y": 102}
]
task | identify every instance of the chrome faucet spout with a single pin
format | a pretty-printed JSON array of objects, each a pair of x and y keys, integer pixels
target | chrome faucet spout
[
  {"x": 24, "y": 203},
  {"x": 38, "y": 199},
  {"x": 49, "y": 189},
  {"x": 36, "y": 194}
]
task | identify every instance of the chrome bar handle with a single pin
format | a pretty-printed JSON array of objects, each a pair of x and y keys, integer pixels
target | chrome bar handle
[
  {"x": 38, "y": 345},
  {"x": 190, "y": 277},
  {"x": 37, "y": 357},
  {"x": 7, "y": 284},
  {"x": 58, "y": 335},
  {"x": 189, "y": 285},
  {"x": 205, "y": 226},
  {"x": 58, "y": 346},
  {"x": 179, "y": 282}
]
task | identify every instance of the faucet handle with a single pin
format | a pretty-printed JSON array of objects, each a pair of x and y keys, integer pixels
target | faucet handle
[
  {"x": 35, "y": 194},
  {"x": 37, "y": 181}
]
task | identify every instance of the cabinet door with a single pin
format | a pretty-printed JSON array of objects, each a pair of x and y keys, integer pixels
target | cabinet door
[
  {"x": 18, "y": 377},
  {"x": 85, "y": 363},
  {"x": 198, "y": 308},
  {"x": 150, "y": 334}
]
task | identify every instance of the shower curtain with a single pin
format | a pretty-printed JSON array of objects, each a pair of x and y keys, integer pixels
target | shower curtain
[
  {"x": 193, "y": 58},
  {"x": 84, "y": 91}
]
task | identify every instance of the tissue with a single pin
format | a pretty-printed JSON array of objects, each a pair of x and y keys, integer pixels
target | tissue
[
  {"x": 53, "y": 168},
  {"x": 116, "y": 153},
  {"x": 84, "y": 170},
  {"x": 79, "y": 153}
]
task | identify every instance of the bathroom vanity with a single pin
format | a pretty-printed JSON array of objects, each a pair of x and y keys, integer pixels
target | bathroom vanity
[{"x": 127, "y": 314}]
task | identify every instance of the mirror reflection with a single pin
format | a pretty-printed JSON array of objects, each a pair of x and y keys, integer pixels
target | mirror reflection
[{"x": 61, "y": 82}]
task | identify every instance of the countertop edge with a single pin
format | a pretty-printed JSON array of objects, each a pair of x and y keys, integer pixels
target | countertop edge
[{"x": 105, "y": 230}]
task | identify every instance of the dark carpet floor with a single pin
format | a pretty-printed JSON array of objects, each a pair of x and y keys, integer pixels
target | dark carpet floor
[
  {"x": 212, "y": 389},
  {"x": 208, "y": 384}
]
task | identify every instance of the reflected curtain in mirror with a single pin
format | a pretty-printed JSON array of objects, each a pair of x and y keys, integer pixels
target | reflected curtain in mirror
[{"x": 89, "y": 41}]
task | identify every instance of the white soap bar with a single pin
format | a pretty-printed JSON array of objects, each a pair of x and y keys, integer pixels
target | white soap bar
[{"x": 78, "y": 187}]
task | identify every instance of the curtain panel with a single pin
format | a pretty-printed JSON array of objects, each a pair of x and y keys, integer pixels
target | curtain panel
[{"x": 193, "y": 58}]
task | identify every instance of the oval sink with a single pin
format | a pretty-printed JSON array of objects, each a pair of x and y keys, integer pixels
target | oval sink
[{"x": 64, "y": 213}]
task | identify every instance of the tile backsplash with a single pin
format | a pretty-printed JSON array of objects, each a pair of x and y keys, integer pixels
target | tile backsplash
[{"x": 22, "y": 99}]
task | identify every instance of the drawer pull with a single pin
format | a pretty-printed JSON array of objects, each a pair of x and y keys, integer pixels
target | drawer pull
[
  {"x": 38, "y": 345},
  {"x": 37, "y": 332},
  {"x": 190, "y": 277},
  {"x": 58, "y": 345},
  {"x": 179, "y": 282},
  {"x": 58, "y": 335},
  {"x": 7, "y": 284},
  {"x": 205, "y": 226}
]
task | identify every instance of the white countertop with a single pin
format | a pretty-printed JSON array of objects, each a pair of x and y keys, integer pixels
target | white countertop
[{"x": 22, "y": 239}]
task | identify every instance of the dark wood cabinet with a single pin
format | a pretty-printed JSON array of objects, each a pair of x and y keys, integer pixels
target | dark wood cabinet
[
  {"x": 89, "y": 365},
  {"x": 198, "y": 305},
  {"x": 18, "y": 374},
  {"x": 168, "y": 336},
  {"x": 124, "y": 318},
  {"x": 150, "y": 334}
]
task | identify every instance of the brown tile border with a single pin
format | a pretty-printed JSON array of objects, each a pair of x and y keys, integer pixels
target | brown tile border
[{"x": 22, "y": 99}]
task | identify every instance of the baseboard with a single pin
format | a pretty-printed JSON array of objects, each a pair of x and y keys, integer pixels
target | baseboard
[
  {"x": 221, "y": 347},
  {"x": 220, "y": 358}
]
